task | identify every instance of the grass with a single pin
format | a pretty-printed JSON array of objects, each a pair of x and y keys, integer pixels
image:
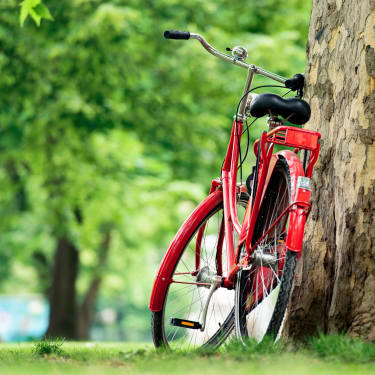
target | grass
[
  {"x": 45, "y": 347},
  {"x": 322, "y": 355}
]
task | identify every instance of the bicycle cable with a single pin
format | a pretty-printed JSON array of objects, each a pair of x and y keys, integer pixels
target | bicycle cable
[
  {"x": 247, "y": 129},
  {"x": 242, "y": 160},
  {"x": 286, "y": 93}
]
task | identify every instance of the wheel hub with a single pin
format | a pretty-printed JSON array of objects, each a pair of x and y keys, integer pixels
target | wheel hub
[
  {"x": 206, "y": 276},
  {"x": 263, "y": 259}
]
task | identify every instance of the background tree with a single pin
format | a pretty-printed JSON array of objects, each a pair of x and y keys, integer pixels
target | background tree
[
  {"x": 337, "y": 290},
  {"x": 110, "y": 135}
]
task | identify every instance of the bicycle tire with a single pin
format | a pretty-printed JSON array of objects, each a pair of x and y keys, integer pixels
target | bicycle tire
[
  {"x": 188, "y": 338},
  {"x": 261, "y": 301}
]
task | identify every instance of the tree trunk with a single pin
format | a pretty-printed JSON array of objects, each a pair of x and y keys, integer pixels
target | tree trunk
[
  {"x": 336, "y": 290},
  {"x": 63, "y": 314},
  {"x": 86, "y": 309}
]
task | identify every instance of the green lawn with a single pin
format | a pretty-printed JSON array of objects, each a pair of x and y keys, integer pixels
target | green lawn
[{"x": 325, "y": 355}]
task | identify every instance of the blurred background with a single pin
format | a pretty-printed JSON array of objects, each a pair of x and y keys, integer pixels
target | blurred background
[{"x": 109, "y": 137}]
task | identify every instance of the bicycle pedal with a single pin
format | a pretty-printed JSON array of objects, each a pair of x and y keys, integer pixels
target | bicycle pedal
[{"x": 185, "y": 323}]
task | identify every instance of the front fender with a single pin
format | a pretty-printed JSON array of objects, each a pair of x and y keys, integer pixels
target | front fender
[{"x": 177, "y": 246}]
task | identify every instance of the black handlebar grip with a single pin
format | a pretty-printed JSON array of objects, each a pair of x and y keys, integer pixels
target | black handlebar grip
[
  {"x": 296, "y": 82},
  {"x": 175, "y": 34}
]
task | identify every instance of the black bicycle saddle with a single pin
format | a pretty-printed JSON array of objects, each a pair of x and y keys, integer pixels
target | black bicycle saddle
[{"x": 294, "y": 110}]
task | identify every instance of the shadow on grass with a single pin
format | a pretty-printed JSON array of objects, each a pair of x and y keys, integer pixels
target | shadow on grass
[
  {"x": 267, "y": 346},
  {"x": 341, "y": 348},
  {"x": 332, "y": 348}
]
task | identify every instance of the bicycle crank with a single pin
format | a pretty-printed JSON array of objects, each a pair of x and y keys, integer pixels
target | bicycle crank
[
  {"x": 206, "y": 276},
  {"x": 185, "y": 323}
]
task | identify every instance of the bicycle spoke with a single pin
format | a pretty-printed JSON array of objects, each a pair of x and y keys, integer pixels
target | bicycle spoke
[
  {"x": 189, "y": 301},
  {"x": 258, "y": 300}
]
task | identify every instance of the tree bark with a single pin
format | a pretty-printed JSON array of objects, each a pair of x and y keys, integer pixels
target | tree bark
[
  {"x": 86, "y": 309},
  {"x": 336, "y": 289},
  {"x": 63, "y": 312}
]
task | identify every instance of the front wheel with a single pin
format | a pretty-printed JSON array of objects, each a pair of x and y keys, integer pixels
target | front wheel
[
  {"x": 177, "y": 325},
  {"x": 262, "y": 290}
]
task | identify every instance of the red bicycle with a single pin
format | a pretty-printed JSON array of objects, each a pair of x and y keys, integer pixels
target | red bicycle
[{"x": 231, "y": 265}]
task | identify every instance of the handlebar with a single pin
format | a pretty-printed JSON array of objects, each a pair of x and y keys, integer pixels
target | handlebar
[
  {"x": 175, "y": 34},
  {"x": 294, "y": 83}
]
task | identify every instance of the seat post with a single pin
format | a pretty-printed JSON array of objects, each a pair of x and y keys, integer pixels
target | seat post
[
  {"x": 245, "y": 95},
  {"x": 273, "y": 122}
]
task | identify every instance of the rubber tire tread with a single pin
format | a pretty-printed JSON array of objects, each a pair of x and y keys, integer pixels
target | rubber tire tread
[
  {"x": 283, "y": 297},
  {"x": 286, "y": 280}
]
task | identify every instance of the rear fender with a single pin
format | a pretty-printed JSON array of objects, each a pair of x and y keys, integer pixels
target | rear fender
[
  {"x": 299, "y": 212},
  {"x": 295, "y": 169}
]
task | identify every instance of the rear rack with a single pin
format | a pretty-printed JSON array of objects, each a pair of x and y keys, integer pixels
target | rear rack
[
  {"x": 294, "y": 137},
  {"x": 300, "y": 139}
]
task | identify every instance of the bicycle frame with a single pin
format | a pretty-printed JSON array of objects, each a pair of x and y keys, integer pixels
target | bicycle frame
[
  {"x": 287, "y": 136},
  {"x": 227, "y": 189},
  {"x": 300, "y": 206},
  {"x": 229, "y": 169}
]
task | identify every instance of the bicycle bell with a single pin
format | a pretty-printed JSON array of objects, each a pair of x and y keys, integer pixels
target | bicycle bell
[{"x": 239, "y": 53}]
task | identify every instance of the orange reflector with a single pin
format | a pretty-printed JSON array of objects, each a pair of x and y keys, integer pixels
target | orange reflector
[{"x": 187, "y": 324}]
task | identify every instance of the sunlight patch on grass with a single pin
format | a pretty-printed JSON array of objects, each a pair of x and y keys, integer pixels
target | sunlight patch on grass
[{"x": 323, "y": 355}]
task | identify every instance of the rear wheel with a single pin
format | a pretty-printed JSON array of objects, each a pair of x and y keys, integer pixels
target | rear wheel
[
  {"x": 262, "y": 290},
  {"x": 187, "y": 295}
]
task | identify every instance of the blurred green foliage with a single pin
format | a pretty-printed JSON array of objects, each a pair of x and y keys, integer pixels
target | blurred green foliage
[
  {"x": 36, "y": 10},
  {"x": 104, "y": 125}
]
